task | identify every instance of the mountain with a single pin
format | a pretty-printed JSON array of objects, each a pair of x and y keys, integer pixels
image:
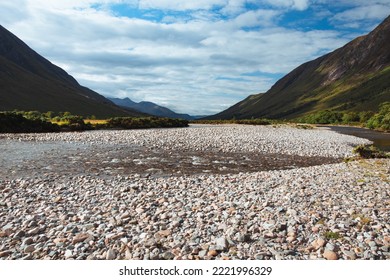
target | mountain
[
  {"x": 30, "y": 82},
  {"x": 150, "y": 108},
  {"x": 355, "y": 77}
]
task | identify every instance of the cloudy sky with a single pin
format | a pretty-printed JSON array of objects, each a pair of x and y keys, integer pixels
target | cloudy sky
[{"x": 197, "y": 57}]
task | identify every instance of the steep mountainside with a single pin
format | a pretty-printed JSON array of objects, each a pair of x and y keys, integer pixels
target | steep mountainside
[
  {"x": 28, "y": 82},
  {"x": 150, "y": 108},
  {"x": 355, "y": 77}
]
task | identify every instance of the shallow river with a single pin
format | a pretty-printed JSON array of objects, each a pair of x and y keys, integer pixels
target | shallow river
[{"x": 381, "y": 140}]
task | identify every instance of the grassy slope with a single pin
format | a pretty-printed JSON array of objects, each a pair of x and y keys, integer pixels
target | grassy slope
[
  {"x": 355, "y": 77},
  {"x": 30, "y": 82}
]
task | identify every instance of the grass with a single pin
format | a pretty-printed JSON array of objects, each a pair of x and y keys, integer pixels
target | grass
[
  {"x": 332, "y": 235},
  {"x": 95, "y": 122},
  {"x": 363, "y": 220},
  {"x": 34, "y": 121},
  {"x": 369, "y": 151},
  {"x": 235, "y": 121}
]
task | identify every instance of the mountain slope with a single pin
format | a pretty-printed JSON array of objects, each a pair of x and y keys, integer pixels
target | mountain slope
[
  {"x": 150, "y": 108},
  {"x": 28, "y": 82},
  {"x": 355, "y": 77}
]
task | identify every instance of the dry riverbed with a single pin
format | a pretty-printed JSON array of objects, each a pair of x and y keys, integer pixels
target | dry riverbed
[{"x": 204, "y": 192}]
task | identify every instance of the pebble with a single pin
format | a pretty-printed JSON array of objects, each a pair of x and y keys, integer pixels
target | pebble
[
  {"x": 29, "y": 249},
  {"x": 330, "y": 255},
  {"x": 80, "y": 238},
  {"x": 269, "y": 214},
  {"x": 110, "y": 255}
]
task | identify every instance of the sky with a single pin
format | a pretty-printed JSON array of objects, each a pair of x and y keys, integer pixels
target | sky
[{"x": 197, "y": 57}]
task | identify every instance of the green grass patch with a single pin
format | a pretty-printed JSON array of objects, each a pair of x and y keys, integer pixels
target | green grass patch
[
  {"x": 332, "y": 235},
  {"x": 33, "y": 121},
  {"x": 237, "y": 121},
  {"x": 369, "y": 151}
]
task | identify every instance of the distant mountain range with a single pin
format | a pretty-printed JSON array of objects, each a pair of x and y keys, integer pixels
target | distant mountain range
[
  {"x": 150, "y": 108},
  {"x": 355, "y": 77},
  {"x": 30, "y": 82}
]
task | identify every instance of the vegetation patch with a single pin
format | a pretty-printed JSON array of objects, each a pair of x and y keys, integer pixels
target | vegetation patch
[
  {"x": 145, "y": 122},
  {"x": 235, "y": 121},
  {"x": 35, "y": 122},
  {"x": 369, "y": 119},
  {"x": 332, "y": 235},
  {"x": 11, "y": 122},
  {"x": 369, "y": 151}
]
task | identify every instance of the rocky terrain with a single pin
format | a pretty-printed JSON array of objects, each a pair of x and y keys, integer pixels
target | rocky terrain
[{"x": 204, "y": 192}]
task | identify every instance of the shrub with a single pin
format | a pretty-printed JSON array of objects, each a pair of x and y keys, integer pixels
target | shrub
[
  {"x": 323, "y": 117},
  {"x": 350, "y": 117},
  {"x": 381, "y": 120},
  {"x": 252, "y": 121},
  {"x": 365, "y": 116},
  {"x": 332, "y": 235},
  {"x": 11, "y": 122},
  {"x": 147, "y": 122},
  {"x": 364, "y": 151}
]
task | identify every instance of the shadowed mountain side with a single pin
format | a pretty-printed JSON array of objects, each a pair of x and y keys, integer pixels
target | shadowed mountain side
[
  {"x": 355, "y": 77},
  {"x": 28, "y": 81}
]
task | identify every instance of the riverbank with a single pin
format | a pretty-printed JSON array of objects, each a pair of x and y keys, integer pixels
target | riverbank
[
  {"x": 381, "y": 140},
  {"x": 326, "y": 211}
]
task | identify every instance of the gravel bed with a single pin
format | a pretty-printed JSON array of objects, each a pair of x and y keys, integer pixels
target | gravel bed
[
  {"x": 223, "y": 139},
  {"x": 329, "y": 211}
]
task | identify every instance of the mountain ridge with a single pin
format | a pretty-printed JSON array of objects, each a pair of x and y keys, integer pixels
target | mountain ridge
[
  {"x": 354, "y": 77},
  {"x": 30, "y": 82},
  {"x": 149, "y": 108}
]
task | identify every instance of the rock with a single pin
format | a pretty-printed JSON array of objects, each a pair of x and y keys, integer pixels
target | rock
[
  {"x": 58, "y": 241},
  {"x": 34, "y": 231},
  {"x": 6, "y": 253},
  {"x": 242, "y": 237},
  {"x": 202, "y": 253},
  {"x": 291, "y": 238},
  {"x": 221, "y": 243},
  {"x": 27, "y": 241},
  {"x": 330, "y": 255},
  {"x": 165, "y": 233},
  {"x": 29, "y": 249},
  {"x": 168, "y": 256},
  {"x": 212, "y": 253},
  {"x": 350, "y": 255},
  {"x": 68, "y": 254},
  {"x": 110, "y": 254},
  {"x": 20, "y": 234},
  {"x": 80, "y": 238},
  {"x": 318, "y": 243}
]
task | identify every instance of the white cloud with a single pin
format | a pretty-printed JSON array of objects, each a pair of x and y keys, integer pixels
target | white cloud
[
  {"x": 256, "y": 18},
  {"x": 367, "y": 12},
  {"x": 291, "y": 4},
  {"x": 180, "y": 5},
  {"x": 193, "y": 65}
]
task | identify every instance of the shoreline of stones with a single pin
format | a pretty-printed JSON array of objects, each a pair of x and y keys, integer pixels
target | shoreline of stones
[{"x": 332, "y": 211}]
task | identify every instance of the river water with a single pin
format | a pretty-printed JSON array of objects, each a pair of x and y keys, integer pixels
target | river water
[{"x": 380, "y": 140}]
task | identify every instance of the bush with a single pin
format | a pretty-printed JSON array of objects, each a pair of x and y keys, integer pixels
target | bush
[
  {"x": 350, "y": 117},
  {"x": 381, "y": 120},
  {"x": 147, "y": 122},
  {"x": 365, "y": 116},
  {"x": 364, "y": 151},
  {"x": 323, "y": 117},
  {"x": 75, "y": 123},
  {"x": 235, "y": 121},
  {"x": 11, "y": 122}
]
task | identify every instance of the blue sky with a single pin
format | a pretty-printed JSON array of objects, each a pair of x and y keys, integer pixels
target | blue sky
[{"x": 197, "y": 57}]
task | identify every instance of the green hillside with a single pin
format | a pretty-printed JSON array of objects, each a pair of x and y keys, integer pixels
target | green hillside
[
  {"x": 353, "y": 78},
  {"x": 29, "y": 82}
]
